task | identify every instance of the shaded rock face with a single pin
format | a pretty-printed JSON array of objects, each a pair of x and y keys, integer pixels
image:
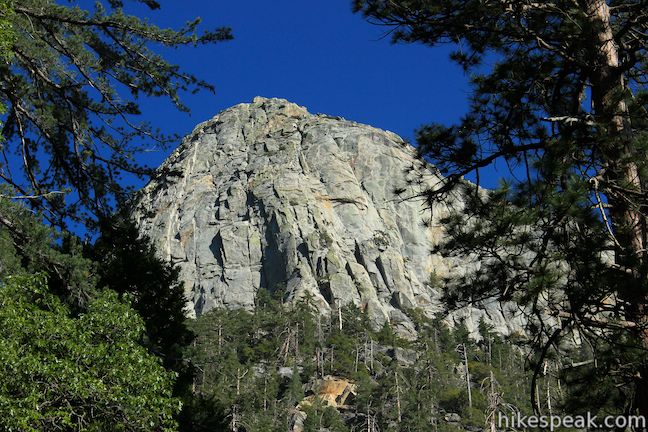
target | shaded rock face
[{"x": 268, "y": 196}]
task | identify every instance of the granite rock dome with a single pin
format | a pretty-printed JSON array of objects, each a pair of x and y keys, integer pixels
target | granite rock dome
[{"x": 268, "y": 196}]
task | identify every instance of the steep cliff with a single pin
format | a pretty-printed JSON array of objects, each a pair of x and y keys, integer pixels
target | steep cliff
[{"x": 268, "y": 196}]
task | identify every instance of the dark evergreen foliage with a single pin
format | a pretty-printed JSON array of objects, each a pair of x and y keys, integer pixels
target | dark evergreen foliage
[
  {"x": 255, "y": 369},
  {"x": 29, "y": 247},
  {"x": 72, "y": 354},
  {"x": 558, "y": 97},
  {"x": 127, "y": 263},
  {"x": 71, "y": 88}
]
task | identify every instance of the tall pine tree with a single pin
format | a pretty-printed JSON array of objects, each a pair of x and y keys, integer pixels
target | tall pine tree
[
  {"x": 71, "y": 353},
  {"x": 559, "y": 96},
  {"x": 127, "y": 263}
]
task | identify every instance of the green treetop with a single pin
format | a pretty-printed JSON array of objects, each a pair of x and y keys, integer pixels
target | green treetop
[
  {"x": 90, "y": 373},
  {"x": 56, "y": 307}
]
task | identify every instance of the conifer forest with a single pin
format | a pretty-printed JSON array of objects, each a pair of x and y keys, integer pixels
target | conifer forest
[{"x": 277, "y": 270}]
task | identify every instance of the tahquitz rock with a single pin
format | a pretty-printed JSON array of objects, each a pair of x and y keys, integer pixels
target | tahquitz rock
[{"x": 268, "y": 196}]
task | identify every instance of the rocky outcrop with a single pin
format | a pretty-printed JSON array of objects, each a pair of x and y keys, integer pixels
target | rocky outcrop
[
  {"x": 331, "y": 391},
  {"x": 268, "y": 196}
]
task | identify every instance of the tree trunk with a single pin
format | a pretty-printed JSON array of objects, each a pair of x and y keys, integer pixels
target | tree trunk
[
  {"x": 621, "y": 177},
  {"x": 465, "y": 358},
  {"x": 398, "y": 401}
]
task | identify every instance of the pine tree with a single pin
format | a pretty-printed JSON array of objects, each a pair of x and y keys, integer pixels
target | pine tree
[
  {"x": 6, "y": 32},
  {"x": 6, "y": 38},
  {"x": 559, "y": 96},
  {"x": 71, "y": 89},
  {"x": 27, "y": 247},
  {"x": 72, "y": 353},
  {"x": 128, "y": 264},
  {"x": 70, "y": 80}
]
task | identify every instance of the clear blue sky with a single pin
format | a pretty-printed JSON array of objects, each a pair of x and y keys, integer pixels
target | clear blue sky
[{"x": 314, "y": 53}]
